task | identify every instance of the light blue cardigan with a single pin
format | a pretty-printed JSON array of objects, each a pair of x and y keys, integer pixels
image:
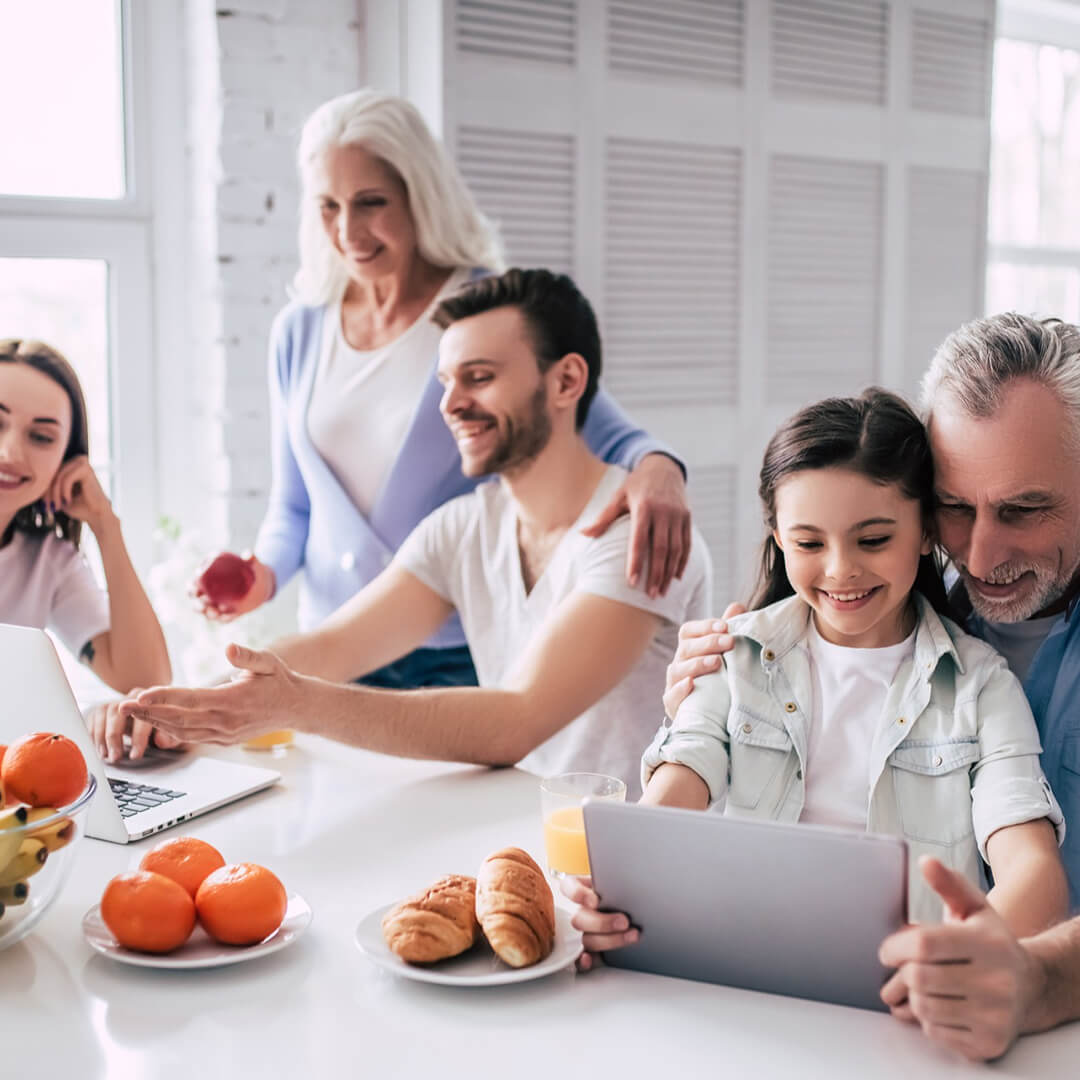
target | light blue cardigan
[{"x": 312, "y": 522}]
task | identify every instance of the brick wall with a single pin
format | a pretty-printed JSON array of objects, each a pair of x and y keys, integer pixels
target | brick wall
[{"x": 254, "y": 70}]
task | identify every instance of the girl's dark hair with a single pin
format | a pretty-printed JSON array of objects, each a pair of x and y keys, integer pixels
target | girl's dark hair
[
  {"x": 36, "y": 354},
  {"x": 876, "y": 434}
]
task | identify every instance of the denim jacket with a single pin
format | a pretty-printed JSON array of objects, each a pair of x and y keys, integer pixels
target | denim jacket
[{"x": 955, "y": 755}]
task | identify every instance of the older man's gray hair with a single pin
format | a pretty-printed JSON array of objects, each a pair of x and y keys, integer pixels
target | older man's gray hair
[{"x": 975, "y": 364}]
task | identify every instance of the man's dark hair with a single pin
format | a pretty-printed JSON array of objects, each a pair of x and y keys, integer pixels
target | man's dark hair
[{"x": 559, "y": 318}]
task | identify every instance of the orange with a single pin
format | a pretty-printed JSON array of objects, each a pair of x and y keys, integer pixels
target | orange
[
  {"x": 185, "y": 859},
  {"x": 148, "y": 912},
  {"x": 241, "y": 904},
  {"x": 43, "y": 770}
]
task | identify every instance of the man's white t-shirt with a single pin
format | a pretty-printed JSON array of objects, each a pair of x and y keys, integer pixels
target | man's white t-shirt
[
  {"x": 364, "y": 400},
  {"x": 850, "y": 687},
  {"x": 46, "y": 583},
  {"x": 467, "y": 551}
]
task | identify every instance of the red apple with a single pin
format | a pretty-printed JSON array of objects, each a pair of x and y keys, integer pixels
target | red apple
[{"x": 226, "y": 581}]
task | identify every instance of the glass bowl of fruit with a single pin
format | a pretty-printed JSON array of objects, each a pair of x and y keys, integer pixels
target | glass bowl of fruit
[
  {"x": 45, "y": 793},
  {"x": 37, "y": 848}
]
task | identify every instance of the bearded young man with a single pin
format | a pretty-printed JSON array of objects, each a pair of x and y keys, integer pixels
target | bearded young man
[{"x": 570, "y": 657}]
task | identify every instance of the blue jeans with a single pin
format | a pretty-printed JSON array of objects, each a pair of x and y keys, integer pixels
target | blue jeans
[{"x": 425, "y": 667}]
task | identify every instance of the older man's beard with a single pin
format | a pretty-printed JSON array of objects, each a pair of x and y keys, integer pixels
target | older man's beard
[
  {"x": 1049, "y": 586},
  {"x": 527, "y": 433}
]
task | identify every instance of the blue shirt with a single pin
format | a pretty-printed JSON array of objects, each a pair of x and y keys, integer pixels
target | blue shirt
[{"x": 1053, "y": 691}]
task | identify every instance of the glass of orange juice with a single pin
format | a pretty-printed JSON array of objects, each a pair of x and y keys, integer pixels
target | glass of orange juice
[
  {"x": 278, "y": 741},
  {"x": 564, "y": 820}
]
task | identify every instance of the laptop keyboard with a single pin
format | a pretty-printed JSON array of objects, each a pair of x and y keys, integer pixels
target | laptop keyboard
[{"x": 135, "y": 798}]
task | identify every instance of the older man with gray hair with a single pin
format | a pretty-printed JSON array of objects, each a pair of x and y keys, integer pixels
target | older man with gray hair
[{"x": 1002, "y": 404}]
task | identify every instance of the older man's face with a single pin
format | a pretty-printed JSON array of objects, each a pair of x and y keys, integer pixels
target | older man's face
[{"x": 1008, "y": 490}]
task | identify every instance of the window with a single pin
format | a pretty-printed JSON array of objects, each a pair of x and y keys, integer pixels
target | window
[
  {"x": 75, "y": 224},
  {"x": 1033, "y": 257}
]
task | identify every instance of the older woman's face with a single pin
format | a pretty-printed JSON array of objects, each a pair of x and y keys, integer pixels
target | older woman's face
[{"x": 365, "y": 212}]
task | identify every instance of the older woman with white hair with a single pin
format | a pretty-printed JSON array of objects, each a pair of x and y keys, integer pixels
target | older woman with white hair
[{"x": 361, "y": 453}]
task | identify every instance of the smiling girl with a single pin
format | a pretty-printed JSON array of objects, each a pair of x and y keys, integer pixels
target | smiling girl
[
  {"x": 48, "y": 491},
  {"x": 848, "y": 698}
]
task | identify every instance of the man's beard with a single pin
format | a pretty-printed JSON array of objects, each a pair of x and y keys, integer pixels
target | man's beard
[
  {"x": 527, "y": 433},
  {"x": 1049, "y": 586}
]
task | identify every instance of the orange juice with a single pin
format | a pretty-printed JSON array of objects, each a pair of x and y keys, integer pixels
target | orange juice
[
  {"x": 271, "y": 740},
  {"x": 564, "y": 839}
]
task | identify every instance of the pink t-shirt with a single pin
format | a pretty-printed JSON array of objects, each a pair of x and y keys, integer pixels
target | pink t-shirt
[{"x": 46, "y": 582}]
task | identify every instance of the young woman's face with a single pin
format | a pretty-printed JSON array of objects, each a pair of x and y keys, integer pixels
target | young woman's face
[
  {"x": 35, "y": 425},
  {"x": 851, "y": 547},
  {"x": 365, "y": 212}
]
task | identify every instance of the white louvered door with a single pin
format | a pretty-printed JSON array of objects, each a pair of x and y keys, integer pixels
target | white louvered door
[{"x": 767, "y": 201}]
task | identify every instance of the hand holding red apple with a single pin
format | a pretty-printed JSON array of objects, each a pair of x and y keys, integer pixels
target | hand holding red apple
[{"x": 232, "y": 585}]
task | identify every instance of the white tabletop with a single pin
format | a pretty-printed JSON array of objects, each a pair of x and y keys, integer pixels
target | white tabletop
[{"x": 351, "y": 831}]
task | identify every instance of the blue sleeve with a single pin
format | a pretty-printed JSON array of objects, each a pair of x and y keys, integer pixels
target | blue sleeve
[
  {"x": 283, "y": 533},
  {"x": 613, "y": 437}
]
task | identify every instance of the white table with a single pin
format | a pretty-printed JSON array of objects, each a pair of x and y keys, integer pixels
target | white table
[{"x": 351, "y": 831}]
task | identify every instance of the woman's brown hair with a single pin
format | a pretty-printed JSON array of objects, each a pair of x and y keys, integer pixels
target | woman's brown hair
[{"x": 34, "y": 518}]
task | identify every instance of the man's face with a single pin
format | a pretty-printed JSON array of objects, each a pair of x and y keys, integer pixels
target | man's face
[
  {"x": 495, "y": 399},
  {"x": 1008, "y": 491}
]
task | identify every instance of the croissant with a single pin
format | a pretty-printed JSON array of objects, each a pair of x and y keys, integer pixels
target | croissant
[
  {"x": 434, "y": 924},
  {"x": 515, "y": 907}
]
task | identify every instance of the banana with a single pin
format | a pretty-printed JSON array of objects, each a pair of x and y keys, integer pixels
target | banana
[
  {"x": 10, "y": 840},
  {"x": 14, "y": 895},
  {"x": 53, "y": 836},
  {"x": 30, "y": 859}
]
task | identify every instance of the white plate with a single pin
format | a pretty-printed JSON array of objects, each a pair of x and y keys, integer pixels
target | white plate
[
  {"x": 200, "y": 950},
  {"x": 477, "y": 967}
]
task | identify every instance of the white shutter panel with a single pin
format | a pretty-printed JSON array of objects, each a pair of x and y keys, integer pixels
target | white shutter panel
[
  {"x": 712, "y": 496},
  {"x": 950, "y": 63},
  {"x": 696, "y": 40},
  {"x": 824, "y": 277},
  {"x": 544, "y": 30},
  {"x": 946, "y": 222},
  {"x": 832, "y": 50},
  {"x": 524, "y": 181},
  {"x": 671, "y": 289}
]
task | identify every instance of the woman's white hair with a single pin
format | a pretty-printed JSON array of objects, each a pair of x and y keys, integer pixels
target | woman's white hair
[
  {"x": 450, "y": 230},
  {"x": 975, "y": 364}
]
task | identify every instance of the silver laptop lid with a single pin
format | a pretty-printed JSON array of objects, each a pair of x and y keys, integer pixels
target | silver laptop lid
[{"x": 786, "y": 909}]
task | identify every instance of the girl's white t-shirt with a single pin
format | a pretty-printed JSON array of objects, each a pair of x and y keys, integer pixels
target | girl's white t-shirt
[
  {"x": 45, "y": 582},
  {"x": 363, "y": 400},
  {"x": 850, "y": 686}
]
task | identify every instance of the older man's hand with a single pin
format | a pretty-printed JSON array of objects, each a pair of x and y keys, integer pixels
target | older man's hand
[{"x": 968, "y": 982}]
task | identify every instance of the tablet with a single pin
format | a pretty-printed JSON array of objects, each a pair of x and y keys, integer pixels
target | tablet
[{"x": 786, "y": 909}]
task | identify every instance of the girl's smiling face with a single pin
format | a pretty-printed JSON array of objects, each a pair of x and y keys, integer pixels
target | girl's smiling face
[
  {"x": 35, "y": 426},
  {"x": 851, "y": 551}
]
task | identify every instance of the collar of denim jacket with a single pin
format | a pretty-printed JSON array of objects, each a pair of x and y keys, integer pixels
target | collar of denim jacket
[{"x": 778, "y": 628}]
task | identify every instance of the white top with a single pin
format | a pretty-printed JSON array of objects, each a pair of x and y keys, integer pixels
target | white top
[
  {"x": 467, "y": 551},
  {"x": 849, "y": 691},
  {"x": 45, "y": 582},
  {"x": 1018, "y": 642},
  {"x": 363, "y": 400}
]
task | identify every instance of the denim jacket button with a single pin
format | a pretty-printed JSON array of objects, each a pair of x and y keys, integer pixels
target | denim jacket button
[
  {"x": 769, "y": 655},
  {"x": 937, "y": 761},
  {"x": 790, "y": 706},
  {"x": 748, "y": 728},
  {"x": 901, "y": 719}
]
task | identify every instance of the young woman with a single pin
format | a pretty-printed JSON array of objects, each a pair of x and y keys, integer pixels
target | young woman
[
  {"x": 48, "y": 491},
  {"x": 848, "y": 699}
]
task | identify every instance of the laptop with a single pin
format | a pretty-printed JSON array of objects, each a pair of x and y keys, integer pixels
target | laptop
[
  {"x": 786, "y": 909},
  {"x": 130, "y": 803}
]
